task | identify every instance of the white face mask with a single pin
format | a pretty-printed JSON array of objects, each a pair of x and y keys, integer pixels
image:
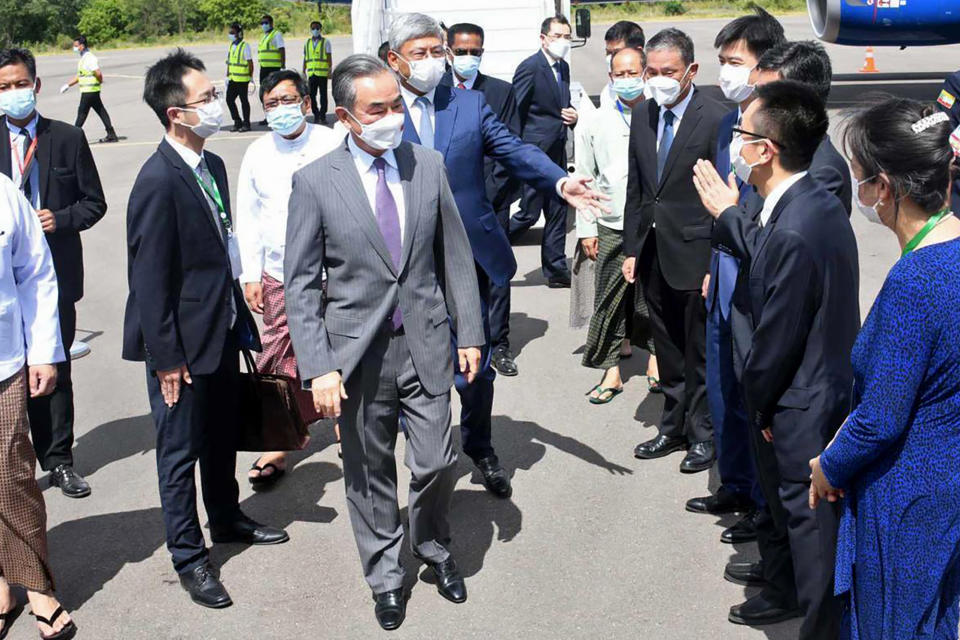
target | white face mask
[
  {"x": 559, "y": 48},
  {"x": 211, "y": 118},
  {"x": 665, "y": 90},
  {"x": 425, "y": 74},
  {"x": 385, "y": 133},
  {"x": 869, "y": 211},
  {"x": 609, "y": 63},
  {"x": 734, "y": 82},
  {"x": 741, "y": 167}
]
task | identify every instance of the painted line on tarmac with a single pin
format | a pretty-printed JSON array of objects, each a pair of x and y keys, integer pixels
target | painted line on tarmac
[{"x": 107, "y": 145}]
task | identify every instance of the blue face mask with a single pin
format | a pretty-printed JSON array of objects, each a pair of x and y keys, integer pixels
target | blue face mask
[
  {"x": 315, "y": 33},
  {"x": 466, "y": 66},
  {"x": 285, "y": 118},
  {"x": 266, "y": 28},
  {"x": 628, "y": 88},
  {"x": 232, "y": 36},
  {"x": 18, "y": 103}
]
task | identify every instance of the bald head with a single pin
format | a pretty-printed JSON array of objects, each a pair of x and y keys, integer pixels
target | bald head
[{"x": 627, "y": 62}]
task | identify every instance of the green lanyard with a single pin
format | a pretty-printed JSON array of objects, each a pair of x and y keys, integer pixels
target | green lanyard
[
  {"x": 927, "y": 228},
  {"x": 214, "y": 194}
]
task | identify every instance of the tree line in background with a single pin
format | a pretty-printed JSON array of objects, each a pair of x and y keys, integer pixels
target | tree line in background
[{"x": 54, "y": 23}]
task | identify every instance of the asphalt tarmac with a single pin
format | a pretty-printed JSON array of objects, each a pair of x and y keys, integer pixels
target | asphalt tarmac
[{"x": 593, "y": 544}]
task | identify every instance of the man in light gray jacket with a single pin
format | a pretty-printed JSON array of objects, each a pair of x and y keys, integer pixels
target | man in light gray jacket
[{"x": 379, "y": 215}]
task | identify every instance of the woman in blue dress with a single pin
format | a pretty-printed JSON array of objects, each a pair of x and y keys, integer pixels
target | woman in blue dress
[{"x": 896, "y": 460}]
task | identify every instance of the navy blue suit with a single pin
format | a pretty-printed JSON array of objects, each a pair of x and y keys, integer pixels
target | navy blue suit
[
  {"x": 466, "y": 130},
  {"x": 949, "y": 100},
  {"x": 540, "y": 97}
]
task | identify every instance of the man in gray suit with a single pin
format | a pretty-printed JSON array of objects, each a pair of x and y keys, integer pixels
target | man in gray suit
[{"x": 379, "y": 215}]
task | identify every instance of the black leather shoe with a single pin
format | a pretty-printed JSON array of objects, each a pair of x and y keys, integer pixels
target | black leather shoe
[
  {"x": 560, "y": 282},
  {"x": 236, "y": 127},
  {"x": 723, "y": 501},
  {"x": 757, "y": 611},
  {"x": 502, "y": 360},
  {"x": 495, "y": 479},
  {"x": 659, "y": 447},
  {"x": 244, "y": 128},
  {"x": 390, "y": 608},
  {"x": 262, "y": 123},
  {"x": 70, "y": 482},
  {"x": 745, "y": 530},
  {"x": 700, "y": 457},
  {"x": 247, "y": 531},
  {"x": 205, "y": 588},
  {"x": 748, "y": 574},
  {"x": 449, "y": 581}
]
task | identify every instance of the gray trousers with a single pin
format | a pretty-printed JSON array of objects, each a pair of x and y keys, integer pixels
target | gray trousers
[{"x": 384, "y": 385}]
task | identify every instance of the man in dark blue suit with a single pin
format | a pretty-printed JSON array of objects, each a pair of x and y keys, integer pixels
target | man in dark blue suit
[
  {"x": 460, "y": 125},
  {"x": 186, "y": 319},
  {"x": 949, "y": 100},
  {"x": 466, "y": 47},
  {"x": 542, "y": 86}
]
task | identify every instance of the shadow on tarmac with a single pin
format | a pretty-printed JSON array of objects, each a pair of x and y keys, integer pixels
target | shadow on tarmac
[{"x": 525, "y": 329}]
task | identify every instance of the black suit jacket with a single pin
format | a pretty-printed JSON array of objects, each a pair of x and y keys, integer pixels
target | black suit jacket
[
  {"x": 178, "y": 269},
  {"x": 539, "y": 100},
  {"x": 70, "y": 187},
  {"x": 798, "y": 301},
  {"x": 683, "y": 225}
]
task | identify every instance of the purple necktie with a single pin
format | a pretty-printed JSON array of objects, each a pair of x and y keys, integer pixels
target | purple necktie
[{"x": 389, "y": 222}]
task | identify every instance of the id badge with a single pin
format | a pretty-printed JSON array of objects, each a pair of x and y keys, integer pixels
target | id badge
[{"x": 233, "y": 249}]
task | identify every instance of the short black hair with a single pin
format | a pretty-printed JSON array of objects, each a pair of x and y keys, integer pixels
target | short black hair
[
  {"x": 283, "y": 75},
  {"x": 266, "y": 18},
  {"x": 805, "y": 61},
  {"x": 236, "y": 27},
  {"x": 881, "y": 139},
  {"x": 163, "y": 86},
  {"x": 760, "y": 32},
  {"x": 81, "y": 40},
  {"x": 465, "y": 28},
  {"x": 672, "y": 38},
  {"x": 629, "y": 32},
  {"x": 383, "y": 50},
  {"x": 18, "y": 55},
  {"x": 318, "y": 23},
  {"x": 546, "y": 24},
  {"x": 794, "y": 117}
]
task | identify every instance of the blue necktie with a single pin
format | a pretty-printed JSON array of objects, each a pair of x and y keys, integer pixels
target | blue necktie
[
  {"x": 388, "y": 219},
  {"x": 426, "y": 128},
  {"x": 665, "y": 142}
]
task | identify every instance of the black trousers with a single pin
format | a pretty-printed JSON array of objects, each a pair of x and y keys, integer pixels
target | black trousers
[
  {"x": 51, "y": 417},
  {"x": 199, "y": 428},
  {"x": 553, "y": 257},
  {"x": 93, "y": 101},
  {"x": 797, "y": 545},
  {"x": 238, "y": 90},
  {"x": 318, "y": 85},
  {"x": 500, "y": 300},
  {"x": 679, "y": 322}
]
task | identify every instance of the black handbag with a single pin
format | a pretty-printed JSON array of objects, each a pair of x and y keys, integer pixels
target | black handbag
[{"x": 269, "y": 417}]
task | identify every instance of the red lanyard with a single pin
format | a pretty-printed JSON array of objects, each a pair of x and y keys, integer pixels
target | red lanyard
[{"x": 26, "y": 163}]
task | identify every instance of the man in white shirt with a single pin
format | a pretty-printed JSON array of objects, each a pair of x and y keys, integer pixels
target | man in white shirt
[
  {"x": 262, "y": 197},
  {"x": 90, "y": 79}
]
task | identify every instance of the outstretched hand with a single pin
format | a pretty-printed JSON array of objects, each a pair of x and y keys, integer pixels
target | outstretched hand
[{"x": 578, "y": 195}]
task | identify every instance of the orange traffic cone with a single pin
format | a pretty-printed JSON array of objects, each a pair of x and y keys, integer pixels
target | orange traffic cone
[{"x": 869, "y": 62}]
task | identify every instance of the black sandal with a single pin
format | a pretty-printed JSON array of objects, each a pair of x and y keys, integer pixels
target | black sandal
[
  {"x": 69, "y": 630},
  {"x": 269, "y": 480},
  {"x": 9, "y": 618}
]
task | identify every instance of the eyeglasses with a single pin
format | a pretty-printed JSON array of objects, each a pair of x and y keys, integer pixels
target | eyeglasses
[
  {"x": 564, "y": 36},
  {"x": 213, "y": 97},
  {"x": 739, "y": 133},
  {"x": 467, "y": 52},
  {"x": 286, "y": 101}
]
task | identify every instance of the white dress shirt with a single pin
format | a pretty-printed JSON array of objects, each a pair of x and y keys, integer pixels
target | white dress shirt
[
  {"x": 770, "y": 202},
  {"x": 603, "y": 155},
  {"x": 678, "y": 110},
  {"x": 368, "y": 176},
  {"x": 550, "y": 62},
  {"x": 263, "y": 193},
  {"x": 29, "y": 319},
  {"x": 416, "y": 109},
  {"x": 18, "y": 151}
]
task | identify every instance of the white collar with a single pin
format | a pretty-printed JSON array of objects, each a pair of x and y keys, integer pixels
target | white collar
[
  {"x": 680, "y": 108},
  {"x": 31, "y": 126},
  {"x": 409, "y": 97},
  {"x": 365, "y": 160},
  {"x": 550, "y": 59},
  {"x": 192, "y": 159},
  {"x": 773, "y": 198},
  {"x": 468, "y": 83},
  {"x": 285, "y": 144}
]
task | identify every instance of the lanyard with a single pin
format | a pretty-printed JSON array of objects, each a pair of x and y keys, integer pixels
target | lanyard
[
  {"x": 620, "y": 108},
  {"x": 927, "y": 228},
  {"x": 27, "y": 162},
  {"x": 214, "y": 192}
]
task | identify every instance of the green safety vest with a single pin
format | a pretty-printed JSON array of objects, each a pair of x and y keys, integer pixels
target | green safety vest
[
  {"x": 87, "y": 79},
  {"x": 315, "y": 57},
  {"x": 238, "y": 69},
  {"x": 268, "y": 56}
]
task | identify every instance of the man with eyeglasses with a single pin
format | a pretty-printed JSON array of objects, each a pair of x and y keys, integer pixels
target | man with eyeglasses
[
  {"x": 263, "y": 193},
  {"x": 187, "y": 321},
  {"x": 542, "y": 86}
]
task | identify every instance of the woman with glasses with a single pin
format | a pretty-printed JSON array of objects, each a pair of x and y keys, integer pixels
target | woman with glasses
[{"x": 896, "y": 460}]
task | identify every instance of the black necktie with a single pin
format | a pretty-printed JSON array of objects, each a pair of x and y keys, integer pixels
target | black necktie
[{"x": 25, "y": 179}]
